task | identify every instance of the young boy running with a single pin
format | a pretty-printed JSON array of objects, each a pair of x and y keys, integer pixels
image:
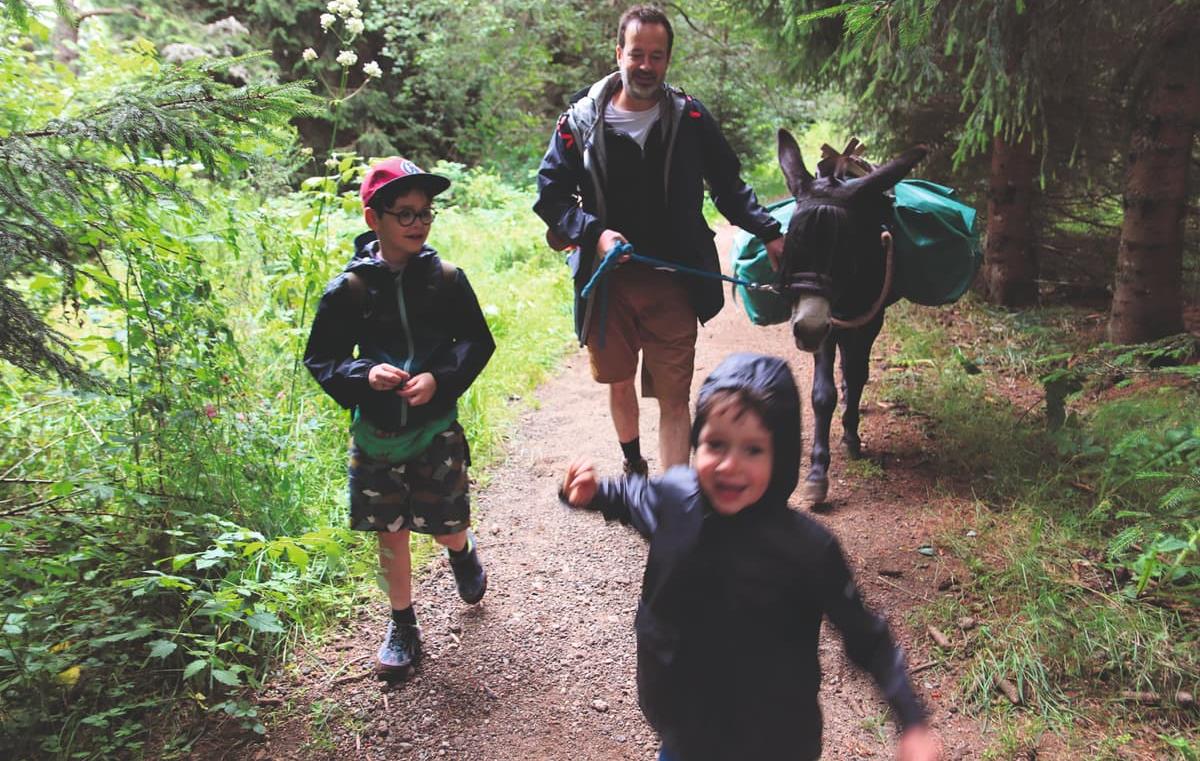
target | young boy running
[
  {"x": 736, "y": 584},
  {"x": 421, "y": 341}
]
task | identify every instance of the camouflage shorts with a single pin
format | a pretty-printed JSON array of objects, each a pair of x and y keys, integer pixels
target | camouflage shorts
[{"x": 426, "y": 494}]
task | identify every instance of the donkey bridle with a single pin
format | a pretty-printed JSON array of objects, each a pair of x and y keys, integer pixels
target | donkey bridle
[{"x": 820, "y": 284}]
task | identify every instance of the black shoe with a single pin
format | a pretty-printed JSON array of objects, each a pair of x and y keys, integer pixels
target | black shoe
[
  {"x": 469, "y": 576},
  {"x": 637, "y": 468},
  {"x": 401, "y": 648}
]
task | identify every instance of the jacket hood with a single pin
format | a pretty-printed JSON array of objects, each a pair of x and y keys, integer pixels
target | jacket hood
[
  {"x": 367, "y": 244},
  {"x": 770, "y": 379}
]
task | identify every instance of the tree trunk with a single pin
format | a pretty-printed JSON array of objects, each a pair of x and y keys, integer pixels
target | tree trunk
[
  {"x": 1009, "y": 263},
  {"x": 1147, "y": 300}
]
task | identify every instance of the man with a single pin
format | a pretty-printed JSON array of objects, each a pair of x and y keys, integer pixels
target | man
[{"x": 627, "y": 164}]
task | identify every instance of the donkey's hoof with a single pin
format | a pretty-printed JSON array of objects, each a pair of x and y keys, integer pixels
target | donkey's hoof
[
  {"x": 853, "y": 448},
  {"x": 815, "y": 492}
]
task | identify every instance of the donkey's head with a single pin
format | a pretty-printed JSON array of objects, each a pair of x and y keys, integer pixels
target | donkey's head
[{"x": 833, "y": 238}]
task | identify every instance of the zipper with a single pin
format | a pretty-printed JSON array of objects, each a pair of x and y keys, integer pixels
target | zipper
[{"x": 407, "y": 364}]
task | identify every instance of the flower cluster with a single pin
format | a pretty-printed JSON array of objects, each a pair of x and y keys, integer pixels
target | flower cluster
[
  {"x": 352, "y": 21},
  {"x": 344, "y": 8}
]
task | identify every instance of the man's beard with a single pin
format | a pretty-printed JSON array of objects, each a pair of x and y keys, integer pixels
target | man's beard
[{"x": 637, "y": 90}]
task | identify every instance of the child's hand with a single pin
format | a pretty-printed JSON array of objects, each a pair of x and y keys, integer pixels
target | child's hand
[
  {"x": 918, "y": 743},
  {"x": 384, "y": 377},
  {"x": 419, "y": 389},
  {"x": 579, "y": 486}
]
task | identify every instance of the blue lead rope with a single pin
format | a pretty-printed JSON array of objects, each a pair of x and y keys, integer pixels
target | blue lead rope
[
  {"x": 609, "y": 262},
  {"x": 620, "y": 249}
]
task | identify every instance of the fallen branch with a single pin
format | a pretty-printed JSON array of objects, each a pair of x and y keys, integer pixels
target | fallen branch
[
  {"x": 915, "y": 595},
  {"x": 922, "y": 667},
  {"x": 346, "y": 665}
]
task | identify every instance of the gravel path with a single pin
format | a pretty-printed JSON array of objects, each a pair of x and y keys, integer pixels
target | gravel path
[{"x": 544, "y": 667}]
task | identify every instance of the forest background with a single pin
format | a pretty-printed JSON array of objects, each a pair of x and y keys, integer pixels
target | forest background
[{"x": 178, "y": 184}]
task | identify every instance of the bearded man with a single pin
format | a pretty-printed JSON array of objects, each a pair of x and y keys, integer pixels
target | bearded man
[{"x": 627, "y": 163}]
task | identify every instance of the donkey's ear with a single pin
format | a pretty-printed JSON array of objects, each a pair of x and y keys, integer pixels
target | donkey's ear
[
  {"x": 887, "y": 175},
  {"x": 790, "y": 161}
]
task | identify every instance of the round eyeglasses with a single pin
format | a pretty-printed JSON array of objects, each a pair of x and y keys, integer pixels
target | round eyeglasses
[{"x": 407, "y": 217}]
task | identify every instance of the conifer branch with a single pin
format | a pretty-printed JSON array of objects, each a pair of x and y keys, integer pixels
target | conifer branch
[{"x": 62, "y": 182}]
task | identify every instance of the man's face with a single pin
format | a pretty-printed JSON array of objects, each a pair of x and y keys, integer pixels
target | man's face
[{"x": 644, "y": 59}]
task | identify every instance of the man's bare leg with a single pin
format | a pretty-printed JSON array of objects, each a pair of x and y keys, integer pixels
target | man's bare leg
[
  {"x": 674, "y": 432},
  {"x": 623, "y": 404}
]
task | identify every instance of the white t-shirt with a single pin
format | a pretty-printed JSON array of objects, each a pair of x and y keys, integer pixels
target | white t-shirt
[{"x": 636, "y": 124}]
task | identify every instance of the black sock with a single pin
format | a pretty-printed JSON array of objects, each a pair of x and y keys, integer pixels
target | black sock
[
  {"x": 461, "y": 553},
  {"x": 406, "y": 617},
  {"x": 632, "y": 449}
]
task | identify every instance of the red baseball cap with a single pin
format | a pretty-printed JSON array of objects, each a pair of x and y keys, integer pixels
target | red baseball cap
[{"x": 400, "y": 171}]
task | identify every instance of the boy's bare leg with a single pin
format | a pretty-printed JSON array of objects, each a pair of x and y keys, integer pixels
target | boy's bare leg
[
  {"x": 396, "y": 564},
  {"x": 623, "y": 404},
  {"x": 674, "y": 430}
]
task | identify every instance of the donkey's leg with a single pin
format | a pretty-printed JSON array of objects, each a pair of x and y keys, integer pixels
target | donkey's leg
[
  {"x": 824, "y": 400},
  {"x": 856, "y": 369}
]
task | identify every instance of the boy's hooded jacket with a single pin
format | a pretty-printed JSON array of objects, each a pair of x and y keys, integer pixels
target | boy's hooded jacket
[
  {"x": 589, "y": 181},
  {"x": 731, "y": 606},
  {"x": 421, "y": 318}
]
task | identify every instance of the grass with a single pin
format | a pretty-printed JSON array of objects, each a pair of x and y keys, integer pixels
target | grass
[{"x": 1050, "y": 579}]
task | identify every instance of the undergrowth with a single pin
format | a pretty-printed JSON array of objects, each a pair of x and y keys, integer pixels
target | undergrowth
[
  {"x": 167, "y": 538},
  {"x": 1084, "y": 461}
]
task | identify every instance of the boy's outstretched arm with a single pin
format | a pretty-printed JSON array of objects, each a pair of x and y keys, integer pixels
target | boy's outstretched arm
[
  {"x": 631, "y": 500},
  {"x": 869, "y": 644}
]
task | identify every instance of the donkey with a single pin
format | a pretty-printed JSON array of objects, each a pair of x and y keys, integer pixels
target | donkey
[{"x": 837, "y": 267}]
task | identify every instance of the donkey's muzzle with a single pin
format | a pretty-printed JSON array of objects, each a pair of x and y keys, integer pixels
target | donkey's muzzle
[{"x": 811, "y": 322}]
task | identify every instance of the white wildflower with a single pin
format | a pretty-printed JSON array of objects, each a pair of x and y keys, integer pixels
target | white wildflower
[
  {"x": 334, "y": 6},
  {"x": 356, "y": 13},
  {"x": 347, "y": 58},
  {"x": 327, "y": 20},
  {"x": 354, "y": 26},
  {"x": 371, "y": 69},
  {"x": 331, "y": 163},
  {"x": 309, "y": 54}
]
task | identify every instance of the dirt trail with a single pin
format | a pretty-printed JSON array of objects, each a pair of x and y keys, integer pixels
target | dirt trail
[{"x": 544, "y": 667}]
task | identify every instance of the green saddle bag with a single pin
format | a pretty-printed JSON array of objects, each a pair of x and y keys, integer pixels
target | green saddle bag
[
  {"x": 937, "y": 246},
  {"x": 937, "y": 251}
]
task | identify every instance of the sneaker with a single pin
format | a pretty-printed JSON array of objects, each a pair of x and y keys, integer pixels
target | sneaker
[
  {"x": 469, "y": 576},
  {"x": 401, "y": 648},
  {"x": 637, "y": 468}
]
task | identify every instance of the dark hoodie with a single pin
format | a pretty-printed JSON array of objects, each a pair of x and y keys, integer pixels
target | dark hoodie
[
  {"x": 420, "y": 319},
  {"x": 731, "y": 606}
]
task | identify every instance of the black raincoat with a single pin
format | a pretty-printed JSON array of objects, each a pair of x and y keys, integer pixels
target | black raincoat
[
  {"x": 423, "y": 318},
  {"x": 731, "y": 606}
]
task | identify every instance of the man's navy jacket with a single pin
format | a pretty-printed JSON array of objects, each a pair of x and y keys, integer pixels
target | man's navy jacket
[{"x": 574, "y": 194}]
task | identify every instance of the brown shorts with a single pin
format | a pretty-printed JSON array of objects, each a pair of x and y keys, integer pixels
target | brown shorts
[{"x": 648, "y": 311}]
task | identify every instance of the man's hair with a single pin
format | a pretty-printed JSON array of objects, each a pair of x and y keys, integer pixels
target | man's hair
[
  {"x": 645, "y": 14},
  {"x": 386, "y": 196}
]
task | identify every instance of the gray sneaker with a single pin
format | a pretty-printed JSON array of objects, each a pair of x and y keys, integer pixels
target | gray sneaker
[
  {"x": 401, "y": 648},
  {"x": 469, "y": 576}
]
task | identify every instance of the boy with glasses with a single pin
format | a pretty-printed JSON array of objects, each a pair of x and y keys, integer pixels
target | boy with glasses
[{"x": 421, "y": 341}]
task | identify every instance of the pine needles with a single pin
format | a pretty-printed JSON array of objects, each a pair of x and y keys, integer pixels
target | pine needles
[{"x": 62, "y": 181}]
